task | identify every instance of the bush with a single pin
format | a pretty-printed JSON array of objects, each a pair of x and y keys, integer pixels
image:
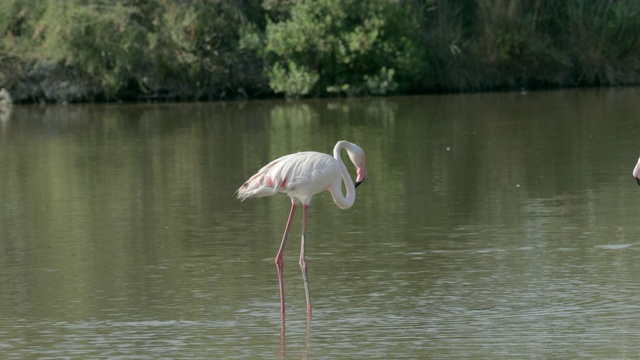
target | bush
[
  {"x": 601, "y": 38},
  {"x": 210, "y": 49},
  {"x": 145, "y": 48},
  {"x": 335, "y": 46}
]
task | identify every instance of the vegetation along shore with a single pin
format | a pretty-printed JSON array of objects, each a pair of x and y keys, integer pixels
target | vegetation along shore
[{"x": 142, "y": 50}]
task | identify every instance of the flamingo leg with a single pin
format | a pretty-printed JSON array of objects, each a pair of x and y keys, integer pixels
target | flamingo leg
[
  {"x": 303, "y": 259},
  {"x": 279, "y": 262}
]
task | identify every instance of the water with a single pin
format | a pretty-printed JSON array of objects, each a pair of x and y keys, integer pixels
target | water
[{"x": 490, "y": 226}]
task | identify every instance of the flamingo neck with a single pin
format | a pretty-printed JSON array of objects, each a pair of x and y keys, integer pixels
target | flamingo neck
[{"x": 343, "y": 202}]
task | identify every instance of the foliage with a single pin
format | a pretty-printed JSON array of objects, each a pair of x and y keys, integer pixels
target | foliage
[
  {"x": 209, "y": 49},
  {"x": 147, "y": 47},
  {"x": 339, "y": 45},
  {"x": 602, "y": 38},
  {"x": 294, "y": 80}
]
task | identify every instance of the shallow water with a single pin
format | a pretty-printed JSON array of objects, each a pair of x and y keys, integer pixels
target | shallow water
[{"x": 490, "y": 226}]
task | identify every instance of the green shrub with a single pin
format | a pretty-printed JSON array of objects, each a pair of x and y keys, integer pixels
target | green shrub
[
  {"x": 146, "y": 47},
  {"x": 208, "y": 49},
  {"x": 322, "y": 46}
]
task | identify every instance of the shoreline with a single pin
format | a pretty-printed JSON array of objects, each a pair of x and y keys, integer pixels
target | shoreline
[{"x": 50, "y": 84}]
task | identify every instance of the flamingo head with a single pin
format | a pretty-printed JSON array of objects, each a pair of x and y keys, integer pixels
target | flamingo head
[{"x": 356, "y": 154}]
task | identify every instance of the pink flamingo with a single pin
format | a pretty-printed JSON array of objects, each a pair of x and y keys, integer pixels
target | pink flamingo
[
  {"x": 636, "y": 172},
  {"x": 301, "y": 176}
]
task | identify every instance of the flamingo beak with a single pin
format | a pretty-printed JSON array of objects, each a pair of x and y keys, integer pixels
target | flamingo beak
[
  {"x": 638, "y": 181},
  {"x": 362, "y": 174}
]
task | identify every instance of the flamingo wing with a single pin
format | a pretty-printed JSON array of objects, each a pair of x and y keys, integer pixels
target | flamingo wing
[{"x": 303, "y": 172}]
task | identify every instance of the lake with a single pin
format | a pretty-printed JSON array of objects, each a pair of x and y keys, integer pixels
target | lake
[{"x": 499, "y": 225}]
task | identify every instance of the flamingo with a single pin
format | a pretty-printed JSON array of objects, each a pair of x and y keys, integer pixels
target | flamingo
[
  {"x": 301, "y": 176},
  {"x": 636, "y": 172}
]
